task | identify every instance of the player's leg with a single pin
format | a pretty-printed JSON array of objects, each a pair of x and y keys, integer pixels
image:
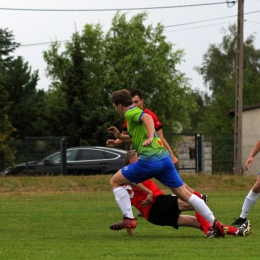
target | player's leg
[
  {"x": 123, "y": 201},
  {"x": 251, "y": 198},
  {"x": 243, "y": 230},
  {"x": 200, "y": 206},
  {"x": 184, "y": 206},
  {"x": 200, "y": 195},
  {"x": 249, "y": 202},
  {"x": 188, "y": 221},
  {"x": 170, "y": 177},
  {"x": 204, "y": 224}
]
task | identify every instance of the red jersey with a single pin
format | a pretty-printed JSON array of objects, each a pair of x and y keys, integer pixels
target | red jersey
[
  {"x": 157, "y": 123},
  {"x": 137, "y": 196}
]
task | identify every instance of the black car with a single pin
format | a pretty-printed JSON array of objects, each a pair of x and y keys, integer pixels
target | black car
[{"x": 80, "y": 160}]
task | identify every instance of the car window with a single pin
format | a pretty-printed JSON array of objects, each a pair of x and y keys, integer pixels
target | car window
[
  {"x": 111, "y": 155},
  {"x": 71, "y": 154},
  {"x": 55, "y": 157},
  {"x": 88, "y": 154}
]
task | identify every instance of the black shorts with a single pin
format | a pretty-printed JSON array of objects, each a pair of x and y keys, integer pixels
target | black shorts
[{"x": 165, "y": 211}]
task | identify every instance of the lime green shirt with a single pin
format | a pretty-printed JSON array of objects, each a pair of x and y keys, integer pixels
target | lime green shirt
[{"x": 138, "y": 133}]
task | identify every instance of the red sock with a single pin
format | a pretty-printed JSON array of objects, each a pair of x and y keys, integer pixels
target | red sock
[
  {"x": 203, "y": 223},
  {"x": 197, "y": 194},
  {"x": 231, "y": 230}
]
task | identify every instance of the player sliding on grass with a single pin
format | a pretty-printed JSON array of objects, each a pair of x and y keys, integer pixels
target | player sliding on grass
[
  {"x": 165, "y": 210},
  {"x": 154, "y": 161}
]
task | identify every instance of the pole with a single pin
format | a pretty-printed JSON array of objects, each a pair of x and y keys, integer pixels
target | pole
[{"x": 238, "y": 169}]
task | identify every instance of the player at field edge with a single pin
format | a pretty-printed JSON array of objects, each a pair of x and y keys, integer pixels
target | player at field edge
[
  {"x": 154, "y": 161},
  {"x": 253, "y": 194}
]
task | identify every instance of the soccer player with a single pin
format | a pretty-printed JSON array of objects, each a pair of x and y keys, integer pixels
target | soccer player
[
  {"x": 253, "y": 194},
  {"x": 165, "y": 210},
  {"x": 138, "y": 101},
  {"x": 154, "y": 161}
]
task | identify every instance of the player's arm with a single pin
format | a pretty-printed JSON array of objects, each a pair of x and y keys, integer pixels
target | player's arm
[
  {"x": 117, "y": 142},
  {"x": 149, "y": 125},
  {"x": 149, "y": 197},
  {"x": 254, "y": 152},
  {"x": 113, "y": 130},
  {"x": 167, "y": 146}
]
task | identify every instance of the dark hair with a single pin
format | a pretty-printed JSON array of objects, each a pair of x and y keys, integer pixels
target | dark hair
[
  {"x": 136, "y": 92},
  {"x": 122, "y": 97},
  {"x": 130, "y": 154}
]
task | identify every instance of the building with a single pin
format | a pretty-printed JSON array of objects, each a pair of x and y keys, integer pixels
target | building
[{"x": 250, "y": 134}]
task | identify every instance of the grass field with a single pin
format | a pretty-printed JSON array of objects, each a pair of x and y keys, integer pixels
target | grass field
[{"x": 67, "y": 217}]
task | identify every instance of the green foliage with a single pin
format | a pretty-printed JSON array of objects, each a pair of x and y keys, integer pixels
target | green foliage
[
  {"x": 7, "y": 46},
  {"x": 20, "y": 83},
  {"x": 27, "y": 103},
  {"x": 141, "y": 58},
  {"x": 131, "y": 55},
  {"x": 201, "y": 99},
  {"x": 77, "y": 104},
  {"x": 6, "y": 129}
]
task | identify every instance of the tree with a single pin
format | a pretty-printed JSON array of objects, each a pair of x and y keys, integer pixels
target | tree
[
  {"x": 77, "y": 103},
  {"x": 26, "y": 101},
  {"x": 7, "y": 46},
  {"x": 140, "y": 57},
  {"x": 219, "y": 74},
  {"x": 93, "y": 66},
  {"x": 6, "y": 129},
  {"x": 201, "y": 98}
]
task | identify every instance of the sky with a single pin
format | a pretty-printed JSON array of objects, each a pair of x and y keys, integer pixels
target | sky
[{"x": 190, "y": 25}]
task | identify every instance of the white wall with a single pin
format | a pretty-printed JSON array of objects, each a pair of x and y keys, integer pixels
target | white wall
[{"x": 250, "y": 135}]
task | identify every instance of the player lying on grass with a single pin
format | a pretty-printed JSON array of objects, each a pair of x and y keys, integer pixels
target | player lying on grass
[{"x": 166, "y": 209}]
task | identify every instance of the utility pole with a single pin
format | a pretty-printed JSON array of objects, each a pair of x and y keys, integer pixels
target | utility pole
[{"x": 238, "y": 168}]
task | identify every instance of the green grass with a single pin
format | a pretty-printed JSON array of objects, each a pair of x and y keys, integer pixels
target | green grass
[{"x": 68, "y": 218}]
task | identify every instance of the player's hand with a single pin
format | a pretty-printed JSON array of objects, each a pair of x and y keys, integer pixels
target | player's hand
[
  {"x": 249, "y": 162},
  {"x": 148, "y": 200},
  {"x": 113, "y": 130},
  {"x": 110, "y": 143},
  {"x": 175, "y": 160},
  {"x": 147, "y": 142}
]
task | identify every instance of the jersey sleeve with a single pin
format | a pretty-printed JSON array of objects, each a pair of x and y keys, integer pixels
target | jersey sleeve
[
  {"x": 157, "y": 123},
  {"x": 125, "y": 126}
]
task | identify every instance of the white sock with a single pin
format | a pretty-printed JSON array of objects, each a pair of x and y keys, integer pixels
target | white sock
[
  {"x": 200, "y": 206},
  {"x": 249, "y": 202},
  {"x": 123, "y": 201}
]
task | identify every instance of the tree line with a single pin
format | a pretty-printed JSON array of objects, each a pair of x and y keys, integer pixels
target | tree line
[{"x": 130, "y": 55}]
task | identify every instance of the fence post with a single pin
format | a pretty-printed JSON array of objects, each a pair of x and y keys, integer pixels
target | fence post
[
  {"x": 26, "y": 154},
  {"x": 63, "y": 156}
]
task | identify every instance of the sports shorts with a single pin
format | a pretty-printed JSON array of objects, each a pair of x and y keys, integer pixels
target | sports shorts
[
  {"x": 161, "y": 169},
  {"x": 165, "y": 211}
]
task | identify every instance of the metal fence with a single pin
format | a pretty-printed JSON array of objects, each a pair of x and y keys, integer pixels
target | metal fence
[
  {"x": 196, "y": 153},
  {"x": 210, "y": 154},
  {"x": 33, "y": 149}
]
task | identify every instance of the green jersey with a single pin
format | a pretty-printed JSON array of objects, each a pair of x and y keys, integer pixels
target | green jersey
[{"x": 138, "y": 133}]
